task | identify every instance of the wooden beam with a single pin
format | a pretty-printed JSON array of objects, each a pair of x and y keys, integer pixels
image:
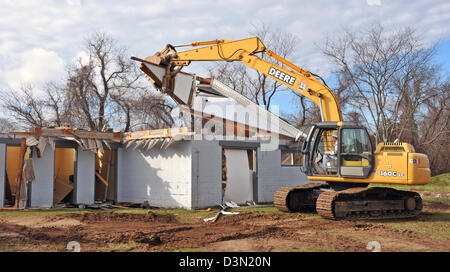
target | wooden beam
[{"x": 101, "y": 178}]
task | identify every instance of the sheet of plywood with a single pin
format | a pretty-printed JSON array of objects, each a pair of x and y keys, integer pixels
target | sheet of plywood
[{"x": 239, "y": 187}]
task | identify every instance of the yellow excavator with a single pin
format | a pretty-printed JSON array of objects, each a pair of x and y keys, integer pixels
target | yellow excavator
[{"x": 339, "y": 154}]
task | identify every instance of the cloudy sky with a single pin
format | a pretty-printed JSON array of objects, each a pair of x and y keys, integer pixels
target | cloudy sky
[{"x": 38, "y": 38}]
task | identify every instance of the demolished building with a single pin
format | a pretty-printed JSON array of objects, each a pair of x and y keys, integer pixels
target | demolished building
[{"x": 220, "y": 156}]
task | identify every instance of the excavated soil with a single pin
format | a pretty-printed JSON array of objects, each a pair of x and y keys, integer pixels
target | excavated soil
[{"x": 248, "y": 231}]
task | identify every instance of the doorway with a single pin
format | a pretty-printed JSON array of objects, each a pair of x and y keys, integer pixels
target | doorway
[
  {"x": 239, "y": 175},
  {"x": 64, "y": 172},
  {"x": 105, "y": 175}
]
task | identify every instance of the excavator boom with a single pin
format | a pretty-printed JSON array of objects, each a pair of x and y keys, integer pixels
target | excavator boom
[{"x": 295, "y": 78}]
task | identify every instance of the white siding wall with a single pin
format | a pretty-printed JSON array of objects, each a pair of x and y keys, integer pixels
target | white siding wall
[
  {"x": 206, "y": 174},
  {"x": 2, "y": 173},
  {"x": 42, "y": 187},
  {"x": 162, "y": 177},
  {"x": 85, "y": 175},
  {"x": 271, "y": 175}
]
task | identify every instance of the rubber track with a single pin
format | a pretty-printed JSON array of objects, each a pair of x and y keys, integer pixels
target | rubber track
[
  {"x": 326, "y": 200},
  {"x": 280, "y": 198}
]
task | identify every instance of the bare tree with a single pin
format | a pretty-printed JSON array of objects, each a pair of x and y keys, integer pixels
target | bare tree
[
  {"x": 395, "y": 89},
  {"x": 151, "y": 112},
  {"x": 6, "y": 125},
  {"x": 254, "y": 85},
  {"x": 434, "y": 136},
  {"x": 376, "y": 63},
  {"x": 103, "y": 90},
  {"x": 96, "y": 83},
  {"x": 26, "y": 107}
]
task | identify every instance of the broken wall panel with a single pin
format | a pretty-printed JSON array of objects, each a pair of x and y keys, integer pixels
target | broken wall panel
[
  {"x": 160, "y": 176},
  {"x": 2, "y": 174},
  {"x": 42, "y": 186},
  {"x": 85, "y": 177}
]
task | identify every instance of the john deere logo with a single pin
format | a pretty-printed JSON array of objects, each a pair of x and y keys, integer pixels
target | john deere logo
[{"x": 281, "y": 76}]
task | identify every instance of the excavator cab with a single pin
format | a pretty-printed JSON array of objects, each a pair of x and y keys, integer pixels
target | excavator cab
[{"x": 338, "y": 149}]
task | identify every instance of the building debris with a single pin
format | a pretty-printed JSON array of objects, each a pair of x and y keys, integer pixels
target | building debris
[
  {"x": 232, "y": 204},
  {"x": 225, "y": 212},
  {"x": 28, "y": 168},
  {"x": 222, "y": 211}
]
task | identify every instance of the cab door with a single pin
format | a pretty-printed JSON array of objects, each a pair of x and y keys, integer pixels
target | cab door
[{"x": 356, "y": 158}]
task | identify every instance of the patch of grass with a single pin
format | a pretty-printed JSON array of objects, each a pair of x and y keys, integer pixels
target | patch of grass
[
  {"x": 441, "y": 180},
  {"x": 117, "y": 247},
  {"x": 9, "y": 248},
  {"x": 436, "y": 225},
  {"x": 315, "y": 248},
  {"x": 436, "y": 200},
  {"x": 313, "y": 217},
  {"x": 189, "y": 216},
  {"x": 262, "y": 209},
  {"x": 439, "y": 183},
  {"x": 43, "y": 212},
  {"x": 188, "y": 249},
  {"x": 131, "y": 210}
]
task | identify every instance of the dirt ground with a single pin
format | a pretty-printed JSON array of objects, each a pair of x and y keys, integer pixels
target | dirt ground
[{"x": 254, "y": 229}]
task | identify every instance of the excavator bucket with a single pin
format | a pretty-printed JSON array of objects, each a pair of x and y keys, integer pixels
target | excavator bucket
[{"x": 179, "y": 86}]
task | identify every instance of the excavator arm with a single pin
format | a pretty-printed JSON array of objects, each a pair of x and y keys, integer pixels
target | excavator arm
[{"x": 245, "y": 51}]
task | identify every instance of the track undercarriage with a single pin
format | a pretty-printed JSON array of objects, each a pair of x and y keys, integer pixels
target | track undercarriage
[{"x": 349, "y": 204}]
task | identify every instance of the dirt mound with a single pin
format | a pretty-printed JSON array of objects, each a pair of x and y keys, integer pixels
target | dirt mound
[
  {"x": 139, "y": 237},
  {"x": 91, "y": 217}
]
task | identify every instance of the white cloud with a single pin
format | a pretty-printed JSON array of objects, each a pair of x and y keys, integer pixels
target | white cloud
[{"x": 35, "y": 66}]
